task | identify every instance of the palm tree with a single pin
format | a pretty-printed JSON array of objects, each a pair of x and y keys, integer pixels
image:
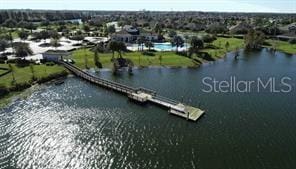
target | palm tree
[
  {"x": 149, "y": 45},
  {"x": 141, "y": 40},
  {"x": 158, "y": 29},
  {"x": 97, "y": 49},
  {"x": 177, "y": 42},
  {"x": 22, "y": 50},
  {"x": 186, "y": 37},
  {"x": 12, "y": 72},
  {"x": 113, "y": 47},
  {"x": 116, "y": 46}
]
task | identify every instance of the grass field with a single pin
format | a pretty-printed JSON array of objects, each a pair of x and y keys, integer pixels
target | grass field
[
  {"x": 284, "y": 46},
  {"x": 23, "y": 75},
  {"x": 168, "y": 59},
  {"x": 234, "y": 43}
]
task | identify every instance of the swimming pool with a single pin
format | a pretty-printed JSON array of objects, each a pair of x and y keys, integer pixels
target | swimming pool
[{"x": 167, "y": 46}]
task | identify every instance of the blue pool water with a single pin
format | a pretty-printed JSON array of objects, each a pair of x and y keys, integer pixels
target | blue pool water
[{"x": 163, "y": 47}]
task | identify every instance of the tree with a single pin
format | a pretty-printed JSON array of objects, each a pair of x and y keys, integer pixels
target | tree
[
  {"x": 85, "y": 61},
  {"x": 12, "y": 72},
  {"x": 160, "y": 59},
  {"x": 149, "y": 45},
  {"x": 158, "y": 29},
  {"x": 10, "y": 23},
  {"x": 44, "y": 35},
  {"x": 254, "y": 39},
  {"x": 32, "y": 72},
  {"x": 45, "y": 23},
  {"x": 30, "y": 26},
  {"x": 22, "y": 50},
  {"x": 195, "y": 45},
  {"x": 96, "y": 50},
  {"x": 111, "y": 29},
  {"x": 54, "y": 35},
  {"x": 113, "y": 47},
  {"x": 86, "y": 28},
  {"x": 172, "y": 33},
  {"x": 23, "y": 35},
  {"x": 3, "y": 45},
  {"x": 216, "y": 28},
  {"x": 227, "y": 46},
  {"x": 177, "y": 42},
  {"x": 186, "y": 37},
  {"x": 116, "y": 46},
  {"x": 140, "y": 41},
  {"x": 55, "y": 43},
  {"x": 77, "y": 38},
  {"x": 121, "y": 47}
]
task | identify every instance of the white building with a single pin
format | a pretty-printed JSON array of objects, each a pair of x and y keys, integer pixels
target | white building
[{"x": 130, "y": 34}]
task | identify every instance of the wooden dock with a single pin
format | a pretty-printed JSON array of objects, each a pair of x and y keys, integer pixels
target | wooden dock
[{"x": 140, "y": 95}]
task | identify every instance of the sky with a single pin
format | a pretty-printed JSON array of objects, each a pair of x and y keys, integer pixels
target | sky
[{"x": 279, "y": 6}]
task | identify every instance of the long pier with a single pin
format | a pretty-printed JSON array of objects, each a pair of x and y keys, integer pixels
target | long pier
[{"x": 141, "y": 95}]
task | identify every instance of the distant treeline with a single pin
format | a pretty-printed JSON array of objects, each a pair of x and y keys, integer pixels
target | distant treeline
[
  {"x": 53, "y": 15},
  {"x": 40, "y": 15}
]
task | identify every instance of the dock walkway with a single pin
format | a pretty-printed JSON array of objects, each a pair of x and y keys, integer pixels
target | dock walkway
[{"x": 141, "y": 95}]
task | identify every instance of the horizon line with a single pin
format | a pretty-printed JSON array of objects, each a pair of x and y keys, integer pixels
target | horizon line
[{"x": 146, "y": 10}]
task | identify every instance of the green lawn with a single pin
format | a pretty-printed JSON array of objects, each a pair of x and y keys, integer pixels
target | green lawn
[
  {"x": 23, "y": 75},
  {"x": 234, "y": 43},
  {"x": 284, "y": 46},
  {"x": 168, "y": 59}
]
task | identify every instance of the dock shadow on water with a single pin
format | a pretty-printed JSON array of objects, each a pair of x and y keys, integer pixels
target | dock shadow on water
[{"x": 79, "y": 125}]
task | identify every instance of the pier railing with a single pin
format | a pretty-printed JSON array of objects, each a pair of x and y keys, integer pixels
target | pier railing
[{"x": 139, "y": 94}]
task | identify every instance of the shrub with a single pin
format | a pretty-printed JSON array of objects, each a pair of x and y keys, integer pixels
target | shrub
[
  {"x": 292, "y": 41},
  {"x": 208, "y": 38},
  {"x": 146, "y": 53}
]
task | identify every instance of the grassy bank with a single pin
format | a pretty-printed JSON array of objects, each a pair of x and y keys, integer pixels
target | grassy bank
[
  {"x": 283, "y": 46},
  {"x": 168, "y": 59},
  {"x": 23, "y": 79},
  {"x": 221, "y": 50},
  {"x": 24, "y": 75}
]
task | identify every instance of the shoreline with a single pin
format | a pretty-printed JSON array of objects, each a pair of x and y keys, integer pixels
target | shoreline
[{"x": 16, "y": 94}]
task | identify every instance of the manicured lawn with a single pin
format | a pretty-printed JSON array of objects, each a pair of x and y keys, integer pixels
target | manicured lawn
[
  {"x": 284, "y": 46},
  {"x": 234, "y": 43},
  {"x": 168, "y": 59},
  {"x": 23, "y": 75}
]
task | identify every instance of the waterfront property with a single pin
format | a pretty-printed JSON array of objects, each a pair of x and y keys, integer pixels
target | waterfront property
[
  {"x": 56, "y": 55},
  {"x": 130, "y": 34}
]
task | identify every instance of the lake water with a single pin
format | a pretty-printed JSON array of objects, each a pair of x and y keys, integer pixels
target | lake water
[{"x": 79, "y": 125}]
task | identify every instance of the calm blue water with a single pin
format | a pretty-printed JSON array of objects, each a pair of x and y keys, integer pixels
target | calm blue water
[{"x": 79, "y": 125}]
